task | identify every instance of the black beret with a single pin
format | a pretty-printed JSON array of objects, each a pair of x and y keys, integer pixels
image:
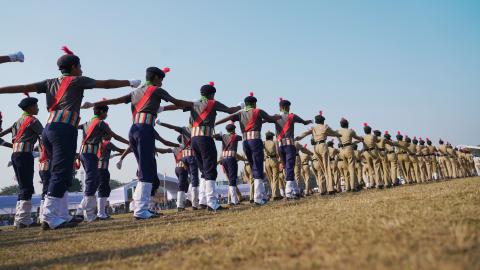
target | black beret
[
  {"x": 208, "y": 89},
  {"x": 319, "y": 119},
  {"x": 27, "y": 102},
  {"x": 387, "y": 136},
  {"x": 284, "y": 103},
  {"x": 250, "y": 99},
  {"x": 156, "y": 71},
  {"x": 230, "y": 127},
  {"x": 68, "y": 60},
  {"x": 377, "y": 132}
]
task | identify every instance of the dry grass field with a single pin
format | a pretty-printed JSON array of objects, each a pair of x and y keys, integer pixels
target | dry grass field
[{"x": 430, "y": 226}]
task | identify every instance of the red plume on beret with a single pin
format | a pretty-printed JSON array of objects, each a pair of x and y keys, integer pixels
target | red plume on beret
[
  {"x": 104, "y": 99},
  {"x": 26, "y": 94},
  {"x": 420, "y": 138},
  {"x": 386, "y": 132},
  {"x": 211, "y": 84},
  {"x": 414, "y": 137},
  {"x": 281, "y": 99},
  {"x": 166, "y": 69},
  {"x": 428, "y": 139},
  {"x": 67, "y": 50},
  {"x": 399, "y": 133},
  {"x": 343, "y": 119},
  {"x": 304, "y": 146},
  {"x": 320, "y": 113},
  {"x": 251, "y": 94},
  {"x": 365, "y": 124}
]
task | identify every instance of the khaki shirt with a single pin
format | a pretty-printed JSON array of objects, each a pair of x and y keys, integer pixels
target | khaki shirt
[
  {"x": 370, "y": 141},
  {"x": 319, "y": 132},
  {"x": 347, "y": 134},
  {"x": 270, "y": 148}
]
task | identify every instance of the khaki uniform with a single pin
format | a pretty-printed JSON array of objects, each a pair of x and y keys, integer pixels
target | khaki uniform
[
  {"x": 305, "y": 159},
  {"x": 392, "y": 160},
  {"x": 415, "y": 172},
  {"x": 422, "y": 154},
  {"x": 372, "y": 159},
  {"x": 247, "y": 174},
  {"x": 316, "y": 168},
  {"x": 271, "y": 167},
  {"x": 433, "y": 162},
  {"x": 334, "y": 169},
  {"x": 384, "y": 164},
  {"x": 404, "y": 161},
  {"x": 347, "y": 155},
  {"x": 444, "y": 161},
  {"x": 320, "y": 133},
  {"x": 358, "y": 166},
  {"x": 453, "y": 161}
]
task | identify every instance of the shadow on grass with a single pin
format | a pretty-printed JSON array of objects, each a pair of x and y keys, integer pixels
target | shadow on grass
[{"x": 157, "y": 249}]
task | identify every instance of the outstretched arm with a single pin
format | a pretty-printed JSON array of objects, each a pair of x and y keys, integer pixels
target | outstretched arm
[
  {"x": 303, "y": 135},
  {"x": 165, "y": 142},
  {"x": 114, "y": 101},
  {"x": 109, "y": 84},
  {"x": 5, "y": 132},
  {"x": 14, "y": 57},
  {"x": 169, "y": 126},
  {"x": 226, "y": 119},
  {"x": 163, "y": 150},
  {"x": 16, "y": 89},
  {"x": 298, "y": 119},
  {"x": 116, "y": 136}
]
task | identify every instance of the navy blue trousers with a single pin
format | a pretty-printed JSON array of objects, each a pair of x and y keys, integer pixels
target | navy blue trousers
[
  {"x": 206, "y": 155},
  {"x": 182, "y": 176},
  {"x": 142, "y": 141},
  {"x": 288, "y": 153},
  {"x": 155, "y": 183},
  {"x": 104, "y": 183},
  {"x": 60, "y": 141},
  {"x": 90, "y": 165},
  {"x": 253, "y": 149},
  {"x": 45, "y": 177},
  {"x": 23, "y": 166},
  {"x": 192, "y": 170},
  {"x": 230, "y": 165}
]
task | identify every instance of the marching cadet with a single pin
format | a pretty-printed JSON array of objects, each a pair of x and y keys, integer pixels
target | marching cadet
[
  {"x": 188, "y": 158},
  {"x": 64, "y": 97},
  {"x": 247, "y": 175},
  {"x": 145, "y": 103},
  {"x": 372, "y": 158},
  {"x": 104, "y": 154},
  {"x": 444, "y": 160},
  {"x": 281, "y": 179},
  {"x": 382, "y": 154},
  {"x": 403, "y": 158},
  {"x": 424, "y": 160},
  {"x": 271, "y": 165},
  {"x": 305, "y": 159},
  {"x": 320, "y": 133},
  {"x": 432, "y": 151},
  {"x": 14, "y": 57},
  {"x": 251, "y": 119},
  {"x": 346, "y": 154},
  {"x": 3, "y": 142},
  {"x": 285, "y": 138},
  {"x": 25, "y": 133},
  {"x": 334, "y": 159},
  {"x": 412, "y": 156},
  {"x": 229, "y": 159},
  {"x": 298, "y": 170},
  {"x": 202, "y": 118},
  {"x": 358, "y": 166},
  {"x": 93, "y": 133},
  {"x": 453, "y": 160},
  {"x": 392, "y": 158}
]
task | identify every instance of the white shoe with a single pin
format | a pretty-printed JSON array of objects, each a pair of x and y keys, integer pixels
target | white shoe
[
  {"x": 259, "y": 191},
  {"x": 233, "y": 194},
  {"x": 181, "y": 199},
  {"x": 51, "y": 211},
  {"x": 211, "y": 194},
  {"x": 23, "y": 215},
  {"x": 290, "y": 192},
  {"x": 40, "y": 212},
  {"x": 101, "y": 206},
  {"x": 88, "y": 205},
  {"x": 194, "y": 197},
  {"x": 64, "y": 211},
  {"x": 141, "y": 198},
  {"x": 202, "y": 198}
]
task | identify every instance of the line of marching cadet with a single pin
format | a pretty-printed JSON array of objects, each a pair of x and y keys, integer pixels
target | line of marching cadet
[{"x": 380, "y": 163}]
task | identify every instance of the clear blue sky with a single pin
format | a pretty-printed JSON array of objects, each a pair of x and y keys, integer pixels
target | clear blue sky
[{"x": 412, "y": 66}]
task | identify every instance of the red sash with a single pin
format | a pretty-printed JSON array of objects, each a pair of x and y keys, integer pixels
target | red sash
[
  {"x": 44, "y": 156},
  {"x": 92, "y": 126},
  {"x": 252, "y": 121},
  {"x": 67, "y": 80},
  {"x": 23, "y": 127},
  {"x": 146, "y": 96},
  {"x": 178, "y": 156},
  {"x": 204, "y": 113},
  {"x": 233, "y": 139},
  {"x": 286, "y": 127},
  {"x": 102, "y": 148}
]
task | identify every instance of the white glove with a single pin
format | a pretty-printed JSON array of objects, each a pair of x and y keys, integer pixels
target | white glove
[
  {"x": 161, "y": 109},
  {"x": 87, "y": 105},
  {"x": 17, "y": 57},
  {"x": 135, "y": 83},
  {"x": 158, "y": 122},
  {"x": 119, "y": 165},
  {"x": 242, "y": 105}
]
